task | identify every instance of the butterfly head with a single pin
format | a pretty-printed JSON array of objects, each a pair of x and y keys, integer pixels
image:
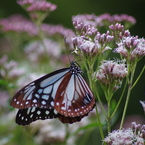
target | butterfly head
[{"x": 74, "y": 68}]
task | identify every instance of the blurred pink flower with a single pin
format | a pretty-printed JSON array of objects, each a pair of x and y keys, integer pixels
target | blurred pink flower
[
  {"x": 25, "y": 2},
  {"x": 9, "y": 69},
  {"x": 41, "y": 6},
  {"x": 37, "y": 9},
  {"x": 56, "y": 29},
  {"x": 35, "y": 5},
  {"x": 101, "y": 20},
  {"x": 4, "y": 97},
  {"x": 19, "y": 24},
  {"x": 36, "y": 51}
]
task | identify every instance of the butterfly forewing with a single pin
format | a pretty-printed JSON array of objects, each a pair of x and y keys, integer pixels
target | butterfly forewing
[
  {"x": 74, "y": 97},
  {"x": 40, "y": 93}
]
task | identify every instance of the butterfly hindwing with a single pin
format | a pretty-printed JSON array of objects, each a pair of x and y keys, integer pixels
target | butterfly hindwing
[
  {"x": 70, "y": 120},
  {"x": 28, "y": 115},
  {"x": 31, "y": 114}
]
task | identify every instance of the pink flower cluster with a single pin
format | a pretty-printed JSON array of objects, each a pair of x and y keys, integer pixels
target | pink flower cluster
[
  {"x": 9, "y": 70},
  {"x": 25, "y": 2},
  {"x": 130, "y": 136},
  {"x": 19, "y": 24},
  {"x": 56, "y": 29},
  {"x": 37, "y": 9},
  {"x": 35, "y": 5},
  {"x": 89, "y": 40},
  {"x": 101, "y": 20},
  {"x": 131, "y": 48},
  {"x": 118, "y": 31},
  {"x": 117, "y": 18},
  {"x": 111, "y": 74}
]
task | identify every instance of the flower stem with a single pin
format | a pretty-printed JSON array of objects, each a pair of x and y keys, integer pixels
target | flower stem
[
  {"x": 66, "y": 135},
  {"x": 131, "y": 72},
  {"x": 108, "y": 118},
  {"x": 100, "y": 124},
  {"x": 125, "y": 108},
  {"x": 118, "y": 104},
  {"x": 138, "y": 77}
]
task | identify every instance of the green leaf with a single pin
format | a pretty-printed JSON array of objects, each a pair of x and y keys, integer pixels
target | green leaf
[{"x": 89, "y": 126}]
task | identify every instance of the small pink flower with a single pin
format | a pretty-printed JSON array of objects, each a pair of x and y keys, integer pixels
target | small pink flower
[
  {"x": 89, "y": 40},
  {"x": 129, "y": 136},
  {"x": 104, "y": 38},
  {"x": 131, "y": 48},
  {"x": 111, "y": 74},
  {"x": 84, "y": 45},
  {"x": 117, "y": 27}
]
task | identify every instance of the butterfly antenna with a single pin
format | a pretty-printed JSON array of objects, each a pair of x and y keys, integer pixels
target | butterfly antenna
[
  {"x": 67, "y": 48},
  {"x": 67, "y": 52}
]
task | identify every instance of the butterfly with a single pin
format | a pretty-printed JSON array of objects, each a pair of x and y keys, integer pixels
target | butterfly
[{"x": 62, "y": 94}]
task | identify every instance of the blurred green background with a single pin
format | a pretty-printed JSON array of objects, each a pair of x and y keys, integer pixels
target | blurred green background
[{"x": 67, "y": 8}]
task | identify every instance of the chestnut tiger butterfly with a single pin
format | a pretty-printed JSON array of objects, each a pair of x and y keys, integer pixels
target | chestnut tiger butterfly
[{"x": 62, "y": 94}]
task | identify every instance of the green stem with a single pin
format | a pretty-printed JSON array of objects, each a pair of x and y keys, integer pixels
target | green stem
[
  {"x": 131, "y": 72},
  {"x": 101, "y": 105},
  {"x": 66, "y": 135},
  {"x": 108, "y": 118},
  {"x": 109, "y": 95},
  {"x": 89, "y": 67},
  {"x": 125, "y": 108},
  {"x": 138, "y": 77},
  {"x": 100, "y": 124},
  {"x": 120, "y": 99}
]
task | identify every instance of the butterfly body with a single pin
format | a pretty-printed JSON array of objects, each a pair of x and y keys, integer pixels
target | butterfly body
[{"x": 62, "y": 94}]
